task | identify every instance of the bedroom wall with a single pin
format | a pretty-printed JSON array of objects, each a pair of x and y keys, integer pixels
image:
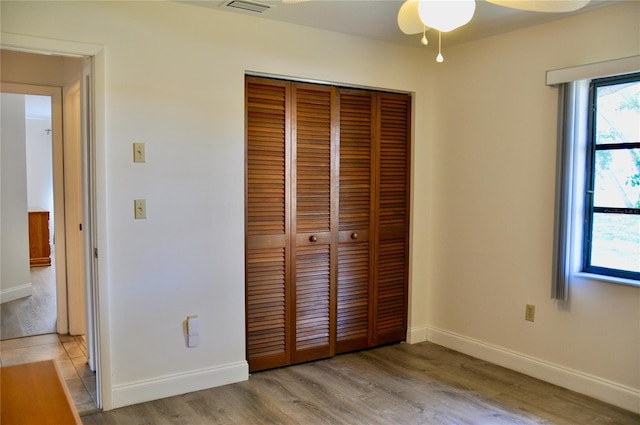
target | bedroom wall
[
  {"x": 493, "y": 192},
  {"x": 174, "y": 79}
]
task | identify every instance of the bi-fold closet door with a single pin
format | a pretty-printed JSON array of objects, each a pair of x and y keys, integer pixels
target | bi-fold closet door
[{"x": 326, "y": 220}]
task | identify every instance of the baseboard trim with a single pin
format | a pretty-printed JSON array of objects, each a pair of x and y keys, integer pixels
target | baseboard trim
[
  {"x": 417, "y": 335},
  {"x": 16, "y": 292},
  {"x": 172, "y": 385},
  {"x": 610, "y": 392}
]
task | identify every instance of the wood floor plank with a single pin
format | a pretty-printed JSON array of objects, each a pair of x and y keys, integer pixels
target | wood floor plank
[{"x": 397, "y": 384}]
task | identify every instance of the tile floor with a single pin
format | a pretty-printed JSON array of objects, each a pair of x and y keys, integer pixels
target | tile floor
[{"x": 70, "y": 354}]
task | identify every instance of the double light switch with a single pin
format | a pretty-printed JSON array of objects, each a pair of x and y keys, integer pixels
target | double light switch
[{"x": 139, "y": 205}]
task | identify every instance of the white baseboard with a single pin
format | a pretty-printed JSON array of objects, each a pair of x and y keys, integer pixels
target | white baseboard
[
  {"x": 168, "y": 386},
  {"x": 16, "y": 292},
  {"x": 416, "y": 335},
  {"x": 592, "y": 386}
]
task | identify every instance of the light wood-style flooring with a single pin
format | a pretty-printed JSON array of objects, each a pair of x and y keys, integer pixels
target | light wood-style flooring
[{"x": 397, "y": 384}]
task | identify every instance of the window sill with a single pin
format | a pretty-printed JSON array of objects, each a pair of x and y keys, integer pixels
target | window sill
[{"x": 608, "y": 279}]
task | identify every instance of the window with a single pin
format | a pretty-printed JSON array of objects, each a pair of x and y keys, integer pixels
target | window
[
  {"x": 611, "y": 236},
  {"x": 597, "y": 236}
]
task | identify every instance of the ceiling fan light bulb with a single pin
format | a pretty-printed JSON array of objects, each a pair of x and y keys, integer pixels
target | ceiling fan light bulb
[
  {"x": 446, "y": 15},
  {"x": 424, "y": 40}
]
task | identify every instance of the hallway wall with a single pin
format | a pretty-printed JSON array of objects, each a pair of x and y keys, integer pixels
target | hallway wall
[{"x": 15, "y": 279}]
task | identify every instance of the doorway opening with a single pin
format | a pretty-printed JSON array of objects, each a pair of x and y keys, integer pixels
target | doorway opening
[
  {"x": 27, "y": 134},
  {"x": 49, "y": 310}
]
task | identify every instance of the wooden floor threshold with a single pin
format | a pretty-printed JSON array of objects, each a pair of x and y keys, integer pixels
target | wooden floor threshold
[{"x": 34, "y": 393}]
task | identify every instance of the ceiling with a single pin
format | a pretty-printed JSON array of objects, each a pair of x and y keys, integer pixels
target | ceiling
[{"x": 377, "y": 19}]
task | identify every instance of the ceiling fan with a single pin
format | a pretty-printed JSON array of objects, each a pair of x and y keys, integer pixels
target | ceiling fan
[{"x": 417, "y": 16}]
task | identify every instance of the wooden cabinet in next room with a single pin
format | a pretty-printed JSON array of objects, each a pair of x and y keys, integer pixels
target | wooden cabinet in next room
[{"x": 39, "y": 247}]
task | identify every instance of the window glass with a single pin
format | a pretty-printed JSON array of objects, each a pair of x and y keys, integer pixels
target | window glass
[
  {"x": 616, "y": 241},
  {"x": 617, "y": 178},
  {"x": 612, "y": 233}
]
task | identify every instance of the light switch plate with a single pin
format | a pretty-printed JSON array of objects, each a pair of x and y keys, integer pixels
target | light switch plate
[
  {"x": 140, "y": 208},
  {"x": 138, "y": 152}
]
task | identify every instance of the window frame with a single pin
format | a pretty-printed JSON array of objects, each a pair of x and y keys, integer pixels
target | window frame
[{"x": 589, "y": 194}]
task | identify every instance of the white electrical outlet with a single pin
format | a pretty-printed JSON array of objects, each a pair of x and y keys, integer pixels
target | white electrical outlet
[
  {"x": 193, "y": 331},
  {"x": 530, "y": 313}
]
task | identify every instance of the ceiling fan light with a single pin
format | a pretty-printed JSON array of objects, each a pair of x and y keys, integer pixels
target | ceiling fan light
[
  {"x": 408, "y": 19},
  {"x": 446, "y": 15},
  {"x": 552, "y": 6}
]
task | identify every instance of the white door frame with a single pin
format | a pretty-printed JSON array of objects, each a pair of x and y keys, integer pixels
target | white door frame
[
  {"x": 94, "y": 177},
  {"x": 74, "y": 208}
]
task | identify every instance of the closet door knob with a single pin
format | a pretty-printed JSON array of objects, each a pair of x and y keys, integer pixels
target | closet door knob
[
  {"x": 355, "y": 236},
  {"x": 313, "y": 238}
]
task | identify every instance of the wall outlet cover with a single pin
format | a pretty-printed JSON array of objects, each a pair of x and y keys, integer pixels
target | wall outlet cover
[{"x": 530, "y": 313}]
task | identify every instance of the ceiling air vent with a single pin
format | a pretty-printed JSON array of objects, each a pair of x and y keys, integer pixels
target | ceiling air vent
[{"x": 247, "y": 5}]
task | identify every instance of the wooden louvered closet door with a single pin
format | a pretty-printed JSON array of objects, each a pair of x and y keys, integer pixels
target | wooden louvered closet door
[
  {"x": 392, "y": 221},
  {"x": 327, "y": 204},
  {"x": 291, "y": 222},
  {"x": 313, "y": 230},
  {"x": 356, "y": 213},
  {"x": 267, "y": 224},
  {"x": 374, "y": 219}
]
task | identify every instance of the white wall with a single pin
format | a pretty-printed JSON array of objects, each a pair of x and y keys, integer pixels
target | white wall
[
  {"x": 39, "y": 167},
  {"x": 482, "y": 189},
  {"x": 493, "y": 197},
  {"x": 15, "y": 276}
]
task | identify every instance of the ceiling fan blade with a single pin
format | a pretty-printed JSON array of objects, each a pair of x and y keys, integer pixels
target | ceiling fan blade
[
  {"x": 408, "y": 18},
  {"x": 552, "y": 6}
]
